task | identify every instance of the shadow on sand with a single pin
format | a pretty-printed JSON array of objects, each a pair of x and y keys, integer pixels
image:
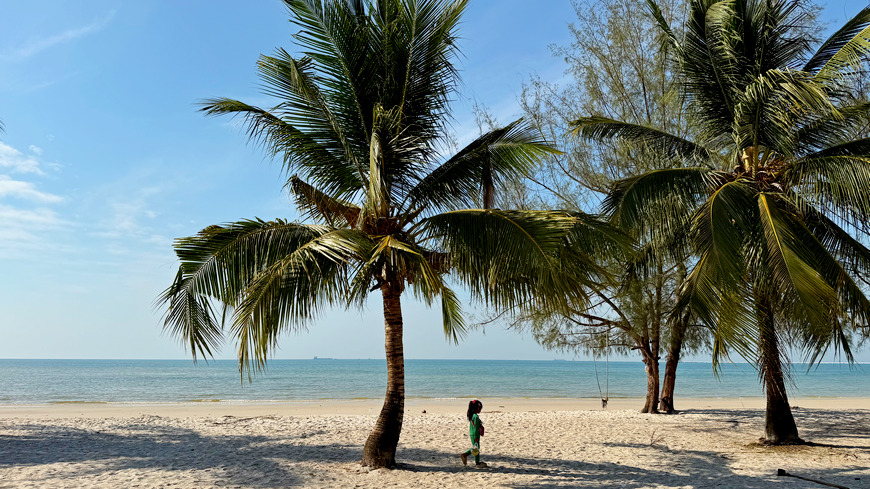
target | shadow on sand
[{"x": 262, "y": 461}]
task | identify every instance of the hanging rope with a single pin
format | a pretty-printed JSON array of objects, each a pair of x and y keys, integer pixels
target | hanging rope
[
  {"x": 606, "y": 372},
  {"x": 604, "y": 397}
]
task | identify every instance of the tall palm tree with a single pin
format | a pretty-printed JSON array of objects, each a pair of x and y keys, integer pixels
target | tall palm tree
[
  {"x": 773, "y": 197},
  {"x": 361, "y": 115}
]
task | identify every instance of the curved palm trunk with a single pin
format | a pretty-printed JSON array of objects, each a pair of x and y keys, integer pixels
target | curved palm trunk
[
  {"x": 380, "y": 447},
  {"x": 779, "y": 425}
]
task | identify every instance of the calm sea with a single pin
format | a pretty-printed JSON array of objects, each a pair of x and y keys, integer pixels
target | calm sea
[{"x": 60, "y": 381}]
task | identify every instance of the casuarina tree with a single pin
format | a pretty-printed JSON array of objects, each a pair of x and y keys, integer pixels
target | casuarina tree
[
  {"x": 360, "y": 122},
  {"x": 772, "y": 196},
  {"x": 616, "y": 66}
]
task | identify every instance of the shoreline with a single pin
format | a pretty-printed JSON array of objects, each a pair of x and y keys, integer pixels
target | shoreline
[{"x": 332, "y": 407}]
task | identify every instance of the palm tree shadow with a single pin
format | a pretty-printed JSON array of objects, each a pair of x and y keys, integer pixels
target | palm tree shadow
[
  {"x": 682, "y": 468},
  {"x": 234, "y": 459},
  {"x": 812, "y": 423},
  {"x": 268, "y": 461},
  {"x": 693, "y": 469}
]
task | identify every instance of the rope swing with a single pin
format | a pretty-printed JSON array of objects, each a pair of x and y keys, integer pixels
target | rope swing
[{"x": 605, "y": 396}]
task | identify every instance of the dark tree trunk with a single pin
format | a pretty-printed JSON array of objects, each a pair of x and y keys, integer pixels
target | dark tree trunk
[
  {"x": 670, "y": 379},
  {"x": 487, "y": 184},
  {"x": 653, "y": 346},
  {"x": 652, "y": 384},
  {"x": 380, "y": 447},
  {"x": 779, "y": 425}
]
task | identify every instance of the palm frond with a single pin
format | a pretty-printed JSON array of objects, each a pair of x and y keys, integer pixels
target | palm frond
[
  {"x": 837, "y": 179},
  {"x": 520, "y": 261},
  {"x": 656, "y": 12},
  {"x": 306, "y": 107},
  {"x": 337, "y": 37},
  {"x": 320, "y": 206},
  {"x": 840, "y": 259},
  {"x": 720, "y": 227},
  {"x": 300, "y": 151},
  {"x": 793, "y": 266},
  {"x": 719, "y": 231},
  {"x": 846, "y": 48},
  {"x": 507, "y": 152},
  {"x": 190, "y": 317},
  {"x": 735, "y": 328},
  {"x": 422, "y": 59},
  {"x": 289, "y": 292},
  {"x": 451, "y": 312},
  {"x": 377, "y": 203},
  {"x": 850, "y": 252},
  {"x": 235, "y": 263},
  {"x": 599, "y": 239},
  {"x": 415, "y": 47},
  {"x": 857, "y": 147},
  {"x": 629, "y": 199},
  {"x": 708, "y": 77},
  {"x": 832, "y": 128},
  {"x": 766, "y": 110},
  {"x": 674, "y": 147}
]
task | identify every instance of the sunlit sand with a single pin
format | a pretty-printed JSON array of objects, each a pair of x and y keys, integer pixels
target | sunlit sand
[{"x": 529, "y": 443}]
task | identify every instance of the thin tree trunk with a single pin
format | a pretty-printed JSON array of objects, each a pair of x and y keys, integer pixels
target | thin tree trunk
[
  {"x": 779, "y": 425},
  {"x": 380, "y": 447},
  {"x": 670, "y": 379},
  {"x": 651, "y": 354},
  {"x": 487, "y": 183},
  {"x": 652, "y": 384}
]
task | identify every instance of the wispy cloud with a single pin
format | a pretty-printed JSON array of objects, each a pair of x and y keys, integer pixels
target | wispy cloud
[
  {"x": 25, "y": 190},
  {"x": 38, "y": 45},
  {"x": 17, "y": 162},
  {"x": 27, "y": 219},
  {"x": 25, "y": 230},
  {"x": 33, "y": 219},
  {"x": 130, "y": 210}
]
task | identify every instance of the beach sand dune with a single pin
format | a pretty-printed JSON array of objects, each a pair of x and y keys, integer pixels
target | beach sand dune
[{"x": 526, "y": 447}]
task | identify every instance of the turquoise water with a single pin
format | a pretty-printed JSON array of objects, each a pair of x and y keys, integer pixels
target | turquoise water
[{"x": 57, "y": 381}]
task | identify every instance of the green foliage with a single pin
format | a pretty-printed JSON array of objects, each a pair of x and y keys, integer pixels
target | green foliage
[
  {"x": 779, "y": 216},
  {"x": 359, "y": 117},
  {"x": 621, "y": 81}
]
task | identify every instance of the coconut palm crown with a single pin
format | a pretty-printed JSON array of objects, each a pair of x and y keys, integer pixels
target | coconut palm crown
[
  {"x": 361, "y": 116},
  {"x": 772, "y": 197}
]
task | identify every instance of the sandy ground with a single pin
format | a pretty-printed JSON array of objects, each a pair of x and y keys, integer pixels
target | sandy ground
[{"x": 529, "y": 443}]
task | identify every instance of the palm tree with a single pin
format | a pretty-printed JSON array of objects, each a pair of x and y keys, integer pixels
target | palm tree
[
  {"x": 358, "y": 124},
  {"x": 773, "y": 198}
]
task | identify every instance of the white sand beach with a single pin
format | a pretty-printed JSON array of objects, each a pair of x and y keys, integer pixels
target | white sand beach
[{"x": 529, "y": 443}]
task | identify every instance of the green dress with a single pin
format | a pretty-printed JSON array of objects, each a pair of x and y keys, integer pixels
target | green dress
[{"x": 475, "y": 427}]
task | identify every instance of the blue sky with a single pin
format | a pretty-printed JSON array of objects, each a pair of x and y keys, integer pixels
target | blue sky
[{"x": 106, "y": 160}]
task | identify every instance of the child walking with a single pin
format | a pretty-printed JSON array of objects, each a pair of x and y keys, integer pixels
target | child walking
[{"x": 475, "y": 431}]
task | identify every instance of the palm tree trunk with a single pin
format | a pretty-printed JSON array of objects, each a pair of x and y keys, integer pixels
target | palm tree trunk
[
  {"x": 380, "y": 447},
  {"x": 779, "y": 425}
]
